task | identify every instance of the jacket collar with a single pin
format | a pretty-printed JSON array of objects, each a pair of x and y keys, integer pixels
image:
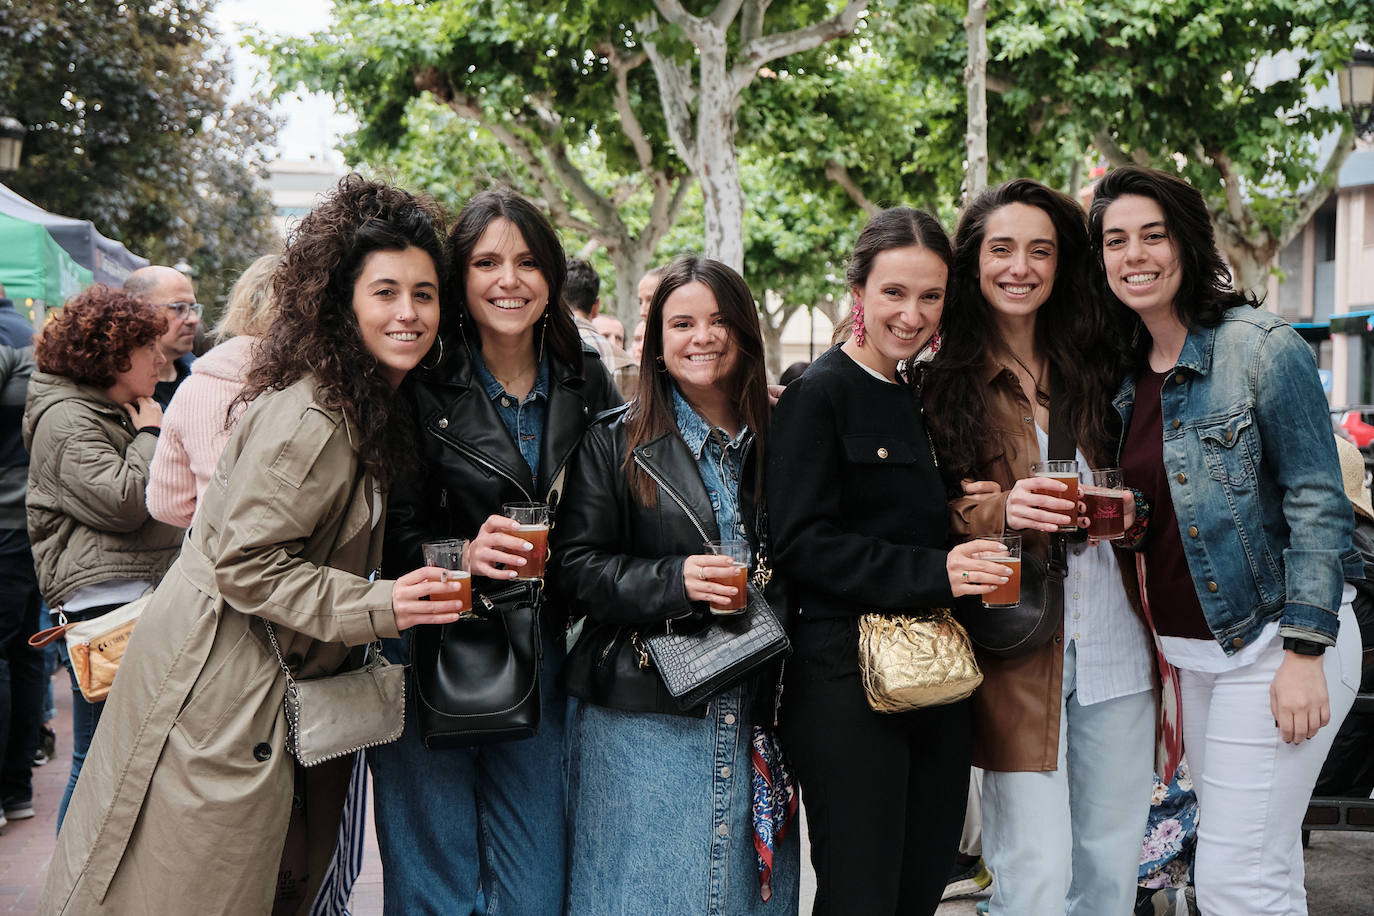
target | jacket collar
[
  {"x": 1197, "y": 349},
  {"x": 675, "y": 470}
]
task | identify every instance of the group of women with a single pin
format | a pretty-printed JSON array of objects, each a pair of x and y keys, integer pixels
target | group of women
[{"x": 409, "y": 386}]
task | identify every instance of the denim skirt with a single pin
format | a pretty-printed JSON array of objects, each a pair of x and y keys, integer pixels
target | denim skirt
[{"x": 660, "y": 818}]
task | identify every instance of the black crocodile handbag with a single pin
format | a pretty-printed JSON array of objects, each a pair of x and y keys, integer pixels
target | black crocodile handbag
[{"x": 699, "y": 663}]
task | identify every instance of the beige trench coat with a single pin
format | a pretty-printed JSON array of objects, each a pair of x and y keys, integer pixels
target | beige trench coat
[{"x": 185, "y": 798}]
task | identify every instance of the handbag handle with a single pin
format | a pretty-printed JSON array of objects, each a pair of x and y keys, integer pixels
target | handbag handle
[{"x": 375, "y": 647}]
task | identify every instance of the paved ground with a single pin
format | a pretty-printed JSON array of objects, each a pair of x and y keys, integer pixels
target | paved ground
[{"x": 1340, "y": 866}]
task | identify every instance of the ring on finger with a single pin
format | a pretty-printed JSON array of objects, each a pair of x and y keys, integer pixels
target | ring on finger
[
  {"x": 964, "y": 574},
  {"x": 701, "y": 571}
]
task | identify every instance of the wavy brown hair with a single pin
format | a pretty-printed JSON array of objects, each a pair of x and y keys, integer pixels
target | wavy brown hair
[
  {"x": 316, "y": 332},
  {"x": 651, "y": 413},
  {"x": 91, "y": 339}
]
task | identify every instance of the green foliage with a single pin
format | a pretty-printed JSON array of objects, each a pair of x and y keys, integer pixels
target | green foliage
[{"x": 130, "y": 127}]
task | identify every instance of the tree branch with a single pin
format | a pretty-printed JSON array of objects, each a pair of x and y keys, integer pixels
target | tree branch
[
  {"x": 677, "y": 14},
  {"x": 840, "y": 175},
  {"x": 761, "y": 50},
  {"x": 1106, "y": 145},
  {"x": 724, "y": 13},
  {"x": 676, "y": 92},
  {"x": 751, "y": 22},
  {"x": 621, "y": 65},
  {"x": 1311, "y": 202}
]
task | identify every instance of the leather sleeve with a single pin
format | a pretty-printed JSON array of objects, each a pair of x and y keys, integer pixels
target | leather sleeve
[{"x": 599, "y": 574}]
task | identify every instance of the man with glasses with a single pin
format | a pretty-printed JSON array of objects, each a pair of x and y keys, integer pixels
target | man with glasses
[{"x": 172, "y": 291}]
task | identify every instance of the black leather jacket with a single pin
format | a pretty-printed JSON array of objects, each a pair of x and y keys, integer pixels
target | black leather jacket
[
  {"x": 620, "y": 566},
  {"x": 470, "y": 464}
]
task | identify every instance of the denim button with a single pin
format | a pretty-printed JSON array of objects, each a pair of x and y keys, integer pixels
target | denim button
[
  {"x": 722, "y": 830},
  {"x": 1177, "y": 422},
  {"x": 724, "y": 772},
  {"x": 1192, "y": 531},
  {"x": 1179, "y": 378},
  {"x": 1212, "y": 587},
  {"x": 1238, "y": 642},
  {"x": 262, "y": 752},
  {"x": 1182, "y": 477},
  {"x": 729, "y": 718}
]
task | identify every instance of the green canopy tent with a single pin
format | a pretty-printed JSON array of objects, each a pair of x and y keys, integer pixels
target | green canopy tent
[{"x": 33, "y": 266}]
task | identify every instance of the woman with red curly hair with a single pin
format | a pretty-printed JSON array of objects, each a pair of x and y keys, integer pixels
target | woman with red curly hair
[{"x": 90, "y": 425}]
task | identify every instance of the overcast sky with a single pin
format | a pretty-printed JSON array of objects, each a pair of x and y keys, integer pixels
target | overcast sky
[{"x": 312, "y": 127}]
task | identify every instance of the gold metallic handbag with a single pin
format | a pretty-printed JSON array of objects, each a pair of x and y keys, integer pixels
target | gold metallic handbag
[{"x": 908, "y": 662}]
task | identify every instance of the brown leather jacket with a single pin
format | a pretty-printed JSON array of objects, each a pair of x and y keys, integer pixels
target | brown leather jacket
[{"x": 1016, "y": 721}]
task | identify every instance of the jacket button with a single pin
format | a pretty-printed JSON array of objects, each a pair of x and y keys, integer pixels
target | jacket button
[
  {"x": 262, "y": 752},
  {"x": 1182, "y": 477},
  {"x": 1179, "y": 378},
  {"x": 1177, "y": 422},
  {"x": 882, "y": 453},
  {"x": 443, "y": 423},
  {"x": 1192, "y": 531},
  {"x": 1238, "y": 642},
  {"x": 1212, "y": 587},
  {"x": 1229, "y": 436}
]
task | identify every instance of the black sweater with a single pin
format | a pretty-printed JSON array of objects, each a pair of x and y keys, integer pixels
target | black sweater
[{"x": 859, "y": 519}]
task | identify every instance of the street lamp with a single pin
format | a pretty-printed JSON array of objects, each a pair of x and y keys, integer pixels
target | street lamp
[
  {"x": 1356, "y": 83},
  {"x": 11, "y": 143}
]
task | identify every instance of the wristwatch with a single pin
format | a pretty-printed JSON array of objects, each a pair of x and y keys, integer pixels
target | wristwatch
[{"x": 1303, "y": 646}]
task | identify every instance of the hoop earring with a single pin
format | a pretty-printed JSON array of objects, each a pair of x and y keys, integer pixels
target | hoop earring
[
  {"x": 856, "y": 319},
  {"x": 662, "y": 366},
  {"x": 438, "y": 338}
]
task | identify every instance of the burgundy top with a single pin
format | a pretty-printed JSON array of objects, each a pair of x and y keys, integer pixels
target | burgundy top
[{"x": 1174, "y": 606}]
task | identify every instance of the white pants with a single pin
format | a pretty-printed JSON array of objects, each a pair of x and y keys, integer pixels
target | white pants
[
  {"x": 1068, "y": 841},
  {"x": 1252, "y": 788}
]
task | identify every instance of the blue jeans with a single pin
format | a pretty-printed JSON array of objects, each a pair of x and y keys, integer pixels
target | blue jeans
[
  {"x": 1068, "y": 841},
  {"x": 85, "y": 718},
  {"x": 473, "y": 830},
  {"x": 21, "y": 677},
  {"x": 660, "y": 816}
]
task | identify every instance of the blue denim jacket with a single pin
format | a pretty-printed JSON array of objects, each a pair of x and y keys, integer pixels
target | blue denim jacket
[
  {"x": 720, "y": 466},
  {"x": 524, "y": 420},
  {"x": 1256, "y": 484}
]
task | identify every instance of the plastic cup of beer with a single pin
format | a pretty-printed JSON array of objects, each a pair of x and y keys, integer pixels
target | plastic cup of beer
[
  {"x": 1105, "y": 498},
  {"x": 738, "y": 552},
  {"x": 1008, "y": 594},
  {"x": 1066, "y": 472},
  {"x": 448, "y": 556},
  {"x": 534, "y": 527}
]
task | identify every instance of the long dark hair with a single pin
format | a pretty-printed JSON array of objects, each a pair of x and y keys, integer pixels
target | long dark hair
[
  {"x": 898, "y": 227},
  {"x": 1071, "y": 330},
  {"x": 316, "y": 331},
  {"x": 1204, "y": 290},
  {"x": 651, "y": 413},
  {"x": 556, "y": 330}
]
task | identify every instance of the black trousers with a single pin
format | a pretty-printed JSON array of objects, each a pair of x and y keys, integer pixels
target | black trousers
[{"x": 884, "y": 794}]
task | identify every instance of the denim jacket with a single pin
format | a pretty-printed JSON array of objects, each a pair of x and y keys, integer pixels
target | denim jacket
[{"x": 1255, "y": 479}]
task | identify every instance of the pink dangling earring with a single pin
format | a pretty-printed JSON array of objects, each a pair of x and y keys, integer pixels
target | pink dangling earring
[
  {"x": 934, "y": 344},
  {"x": 856, "y": 318}
]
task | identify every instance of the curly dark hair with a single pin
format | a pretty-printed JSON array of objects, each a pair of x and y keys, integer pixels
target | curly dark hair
[
  {"x": 91, "y": 339},
  {"x": 317, "y": 332},
  {"x": 564, "y": 343},
  {"x": 1072, "y": 329},
  {"x": 1204, "y": 291}
]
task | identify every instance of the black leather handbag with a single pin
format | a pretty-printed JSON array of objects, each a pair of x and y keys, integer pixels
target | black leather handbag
[
  {"x": 1011, "y": 631},
  {"x": 477, "y": 679},
  {"x": 709, "y": 659}
]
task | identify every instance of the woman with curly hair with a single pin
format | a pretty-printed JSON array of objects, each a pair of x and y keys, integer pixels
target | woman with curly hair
[
  {"x": 1063, "y": 731},
  {"x": 90, "y": 425},
  {"x": 190, "y": 788},
  {"x": 500, "y": 419}
]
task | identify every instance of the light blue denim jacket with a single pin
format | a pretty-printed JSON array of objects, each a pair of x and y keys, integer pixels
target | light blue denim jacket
[{"x": 1256, "y": 484}]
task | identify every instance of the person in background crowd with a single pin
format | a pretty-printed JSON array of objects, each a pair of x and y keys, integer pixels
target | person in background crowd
[
  {"x": 171, "y": 291},
  {"x": 1227, "y": 434},
  {"x": 23, "y": 670},
  {"x": 1065, "y": 731},
  {"x": 197, "y": 423},
  {"x": 680, "y": 465},
  {"x": 502, "y": 411},
  {"x": 860, "y": 524},
  {"x": 580, "y": 296},
  {"x": 647, "y": 284},
  {"x": 191, "y": 800},
  {"x": 610, "y": 327},
  {"x": 90, "y": 425},
  {"x": 792, "y": 373},
  {"x": 637, "y": 344}
]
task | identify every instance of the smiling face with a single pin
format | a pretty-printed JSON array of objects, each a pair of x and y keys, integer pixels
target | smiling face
[
  {"x": 506, "y": 291},
  {"x": 699, "y": 349},
  {"x": 902, "y": 298},
  {"x": 1142, "y": 264},
  {"x": 1018, "y": 259},
  {"x": 396, "y": 301}
]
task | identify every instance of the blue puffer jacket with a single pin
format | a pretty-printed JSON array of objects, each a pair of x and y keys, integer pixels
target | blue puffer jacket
[{"x": 1255, "y": 479}]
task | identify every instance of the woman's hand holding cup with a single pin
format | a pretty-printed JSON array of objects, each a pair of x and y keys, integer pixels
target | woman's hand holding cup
[{"x": 429, "y": 594}]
